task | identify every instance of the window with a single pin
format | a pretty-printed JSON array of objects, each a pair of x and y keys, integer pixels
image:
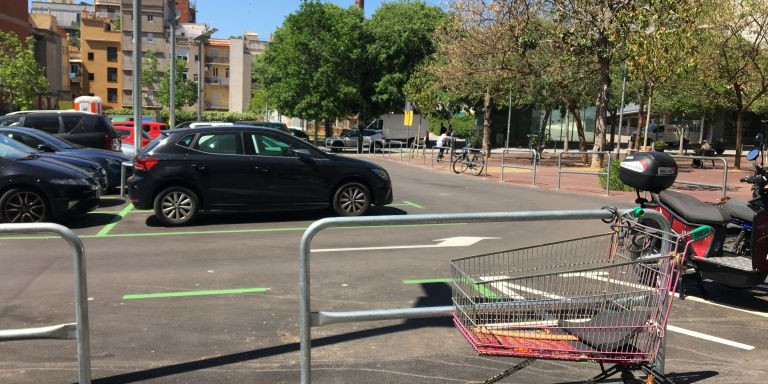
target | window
[
  {"x": 183, "y": 75},
  {"x": 47, "y": 123},
  {"x": 90, "y": 76},
  {"x": 111, "y": 53},
  {"x": 224, "y": 143},
  {"x": 196, "y": 59},
  {"x": 186, "y": 141},
  {"x": 28, "y": 140},
  {"x": 215, "y": 71},
  {"x": 112, "y": 75},
  {"x": 150, "y": 36},
  {"x": 150, "y": 17},
  {"x": 270, "y": 146},
  {"x": 112, "y": 95},
  {"x": 90, "y": 56},
  {"x": 88, "y": 124},
  {"x": 10, "y": 121},
  {"x": 195, "y": 77},
  {"x": 226, "y": 73},
  {"x": 70, "y": 122}
]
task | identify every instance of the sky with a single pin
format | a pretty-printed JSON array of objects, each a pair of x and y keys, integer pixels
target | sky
[{"x": 234, "y": 17}]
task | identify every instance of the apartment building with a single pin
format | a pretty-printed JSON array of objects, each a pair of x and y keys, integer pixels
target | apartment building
[
  {"x": 100, "y": 47},
  {"x": 154, "y": 15},
  {"x": 186, "y": 11},
  {"x": 14, "y": 17},
  {"x": 66, "y": 12},
  {"x": 52, "y": 54}
]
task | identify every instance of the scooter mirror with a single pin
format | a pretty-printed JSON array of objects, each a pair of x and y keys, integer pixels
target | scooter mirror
[{"x": 753, "y": 154}]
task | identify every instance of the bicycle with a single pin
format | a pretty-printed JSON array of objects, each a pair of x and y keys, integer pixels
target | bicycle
[{"x": 469, "y": 158}]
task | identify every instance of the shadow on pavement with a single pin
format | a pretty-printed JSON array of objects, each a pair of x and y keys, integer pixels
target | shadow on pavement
[
  {"x": 749, "y": 299},
  {"x": 222, "y": 218},
  {"x": 106, "y": 202},
  {"x": 436, "y": 295},
  {"x": 91, "y": 220}
]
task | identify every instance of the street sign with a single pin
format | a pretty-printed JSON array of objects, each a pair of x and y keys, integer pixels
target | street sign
[{"x": 408, "y": 118}]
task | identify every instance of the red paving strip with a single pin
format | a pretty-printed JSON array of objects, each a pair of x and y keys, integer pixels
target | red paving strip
[{"x": 546, "y": 177}]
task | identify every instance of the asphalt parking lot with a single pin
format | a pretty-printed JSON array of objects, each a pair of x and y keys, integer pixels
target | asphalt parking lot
[{"x": 217, "y": 301}]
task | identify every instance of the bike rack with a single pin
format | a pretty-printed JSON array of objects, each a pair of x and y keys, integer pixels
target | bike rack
[
  {"x": 78, "y": 330},
  {"x": 532, "y": 167},
  {"x": 723, "y": 187},
  {"x": 432, "y": 154},
  {"x": 307, "y": 318},
  {"x": 607, "y": 173}
]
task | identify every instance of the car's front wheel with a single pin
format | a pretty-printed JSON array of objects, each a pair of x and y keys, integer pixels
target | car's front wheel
[
  {"x": 176, "y": 206},
  {"x": 351, "y": 199},
  {"x": 23, "y": 205}
]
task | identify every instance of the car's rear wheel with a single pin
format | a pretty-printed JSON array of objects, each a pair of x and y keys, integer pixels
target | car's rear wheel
[
  {"x": 352, "y": 199},
  {"x": 23, "y": 205},
  {"x": 176, "y": 206}
]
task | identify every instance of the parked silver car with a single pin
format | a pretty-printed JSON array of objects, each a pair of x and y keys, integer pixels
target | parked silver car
[{"x": 373, "y": 140}]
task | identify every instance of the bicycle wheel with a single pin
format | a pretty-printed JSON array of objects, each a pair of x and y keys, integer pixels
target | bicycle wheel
[
  {"x": 460, "y": 165},
  {"x": 478, "y": 163}
]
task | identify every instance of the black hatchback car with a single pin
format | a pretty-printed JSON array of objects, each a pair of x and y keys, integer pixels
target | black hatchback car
[
  {"x": 237, "y": 168},
  {"x": 86, "y": 129}
]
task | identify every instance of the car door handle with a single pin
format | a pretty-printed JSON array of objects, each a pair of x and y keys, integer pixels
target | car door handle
[
  {"x": 200, "y": 167},
  {"x": 260, "y": 169}
]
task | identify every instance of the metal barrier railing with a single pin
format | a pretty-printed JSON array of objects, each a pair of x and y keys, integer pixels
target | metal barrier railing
[
  {"x": 532, "y": 167},
  {"x": 607, "y": 173},
  {"x": 78, "y": 330},
  {"x": 123, "y": 173},
  {"x": 400, "y": 146},
  {"x": 723, "y": 187},
  {"x": 446, "y": 150},
  {"x": 307, "y": 318}
]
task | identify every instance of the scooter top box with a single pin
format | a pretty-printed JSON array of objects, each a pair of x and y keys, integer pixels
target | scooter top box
[{"x": 648, "y": 171}]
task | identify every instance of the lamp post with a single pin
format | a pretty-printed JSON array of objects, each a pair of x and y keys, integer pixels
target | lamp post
[
  {"x": 200, "y": 41},
  {"x": 172, "y": 67},
  {"x": 136, "y": 77}
]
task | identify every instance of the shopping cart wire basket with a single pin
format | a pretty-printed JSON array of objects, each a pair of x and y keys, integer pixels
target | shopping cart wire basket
[{"x": 601, "y": 298}]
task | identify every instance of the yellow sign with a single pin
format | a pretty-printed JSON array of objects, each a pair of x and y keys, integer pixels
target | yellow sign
[{"x": 408, "y": 121}]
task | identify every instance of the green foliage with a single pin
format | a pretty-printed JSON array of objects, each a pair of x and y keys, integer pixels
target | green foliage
[
  {"x": 186, "y": 90},
  {"x": 398, "y": 37},
  {"x": 615, "y": 182},
  {"x": 21, "y": 78},
  {"x": 74, "y": 37},
  {"x": 258, "y": 101},
  {"x": 116, "y": 23},
  {"x": 150, "y": 74},
  {"x": 118, "y": 111},
  {"x": 312, "y": 66},
  {"x": 463, "y": 125},
  {"x": 659, "y": 144}
]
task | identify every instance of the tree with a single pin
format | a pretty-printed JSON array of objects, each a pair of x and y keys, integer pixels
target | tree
[
  {"x": 481, "y": 48},
  {"x": 734, "y": 66},
  {"x": 21, "y": 78},
  {"x": 398, "y": 37},
  {"x": 150, "y": 74},
  {"x": 315, "y": 62},
  {"x": 186, "y": 89},
  {"x": 74, "y": 37}
]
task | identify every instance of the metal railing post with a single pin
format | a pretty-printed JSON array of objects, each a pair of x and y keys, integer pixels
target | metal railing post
[
  {"x": 723, "y": 187},
  {"x": 305, "y": 314},
  {"x": 82, "y": 328},
  {"x": 607, "y": 173},
  {"x": 559, "y": 167}
]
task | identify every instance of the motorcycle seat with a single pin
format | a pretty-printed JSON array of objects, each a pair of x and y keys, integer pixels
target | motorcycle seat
[
  {"x": 693, "y": 210},
  {"x": 740, "y": 210}
]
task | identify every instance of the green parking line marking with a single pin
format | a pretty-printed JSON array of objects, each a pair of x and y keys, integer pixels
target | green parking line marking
[
  {"x": 485, "y": 291},
  {"x": 412, "y": 204},
  {"x": 118, "y": 212},
  {"x": 194, "y": 293},
  {"x": 105, "y": 231},
  {"x": 214, "y": 232}
]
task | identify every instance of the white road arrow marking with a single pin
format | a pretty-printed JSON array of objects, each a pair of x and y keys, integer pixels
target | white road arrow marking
[{"x": 458, "y": 241}]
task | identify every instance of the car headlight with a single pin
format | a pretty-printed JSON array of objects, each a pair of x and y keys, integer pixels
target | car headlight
[
  {"x": 70, "y": 181},
  {"x": 381, "y": 173}
]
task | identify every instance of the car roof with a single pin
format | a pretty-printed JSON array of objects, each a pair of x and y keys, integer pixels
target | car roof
[
  {"x": 51, "y": 111},
  {"x": 225, "y": 128}
]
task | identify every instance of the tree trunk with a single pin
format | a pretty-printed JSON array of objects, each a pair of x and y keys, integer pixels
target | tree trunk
[
  {"x": 542, "y": 131},
  {"x": 739, "y": 134},
  {"x": 602, "y": 103},
  {"x": 488, "y": 108},
  {"x": 579, "y": 130},
  {"x": 613, "y": 128},
  {"x": 640, "y": 123}
]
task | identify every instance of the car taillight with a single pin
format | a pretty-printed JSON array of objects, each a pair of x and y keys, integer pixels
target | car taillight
[{"x": 144, "y": 163}]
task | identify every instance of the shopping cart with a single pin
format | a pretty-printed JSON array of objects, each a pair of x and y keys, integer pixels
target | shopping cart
[{"x": 603, "y": 299}]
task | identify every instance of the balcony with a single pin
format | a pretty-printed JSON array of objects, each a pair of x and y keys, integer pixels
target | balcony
[
  {"x": 216, "y": 60},
  {"x": 75, "y": 77},
  {"x": 216, "y": 80}
]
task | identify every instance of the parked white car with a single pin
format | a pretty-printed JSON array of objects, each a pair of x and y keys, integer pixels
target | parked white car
[{"x": 372, "y": 140}]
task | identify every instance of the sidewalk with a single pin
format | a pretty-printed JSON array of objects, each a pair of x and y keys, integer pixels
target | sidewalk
[{"x": 546, "y": 174}]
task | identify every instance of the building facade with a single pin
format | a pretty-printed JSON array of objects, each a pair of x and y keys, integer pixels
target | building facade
[
  {"x": 102, "y": 64},
  {"x": 14, "y": 17},
  {"x": 185, "y": 11},
  {"x": 66, "y": 12},
  {"x": 52, "y": 54}
]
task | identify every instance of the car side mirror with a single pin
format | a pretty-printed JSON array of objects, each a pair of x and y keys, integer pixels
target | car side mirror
[
  {"x": 303, "y": 153},
  {"x": 45, "y": 148}
]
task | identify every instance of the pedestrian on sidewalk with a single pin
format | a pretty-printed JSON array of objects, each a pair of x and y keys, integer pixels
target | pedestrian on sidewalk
[{"x": 441, "y": 143}]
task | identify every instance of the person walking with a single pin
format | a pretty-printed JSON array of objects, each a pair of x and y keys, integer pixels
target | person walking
[{"x": 441, "y": 143}]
